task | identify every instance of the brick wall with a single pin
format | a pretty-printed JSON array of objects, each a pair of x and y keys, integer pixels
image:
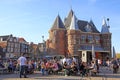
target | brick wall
[{"x": 57, "y": 42}]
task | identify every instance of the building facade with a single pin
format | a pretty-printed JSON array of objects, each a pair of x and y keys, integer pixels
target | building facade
[
  {"x": 32, "y": 49},
  {"x": 12, "y": 46},
  {"x": 24, "y": 46},
  {"x": 79, "y": 37}
]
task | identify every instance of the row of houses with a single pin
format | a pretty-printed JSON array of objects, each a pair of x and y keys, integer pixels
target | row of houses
[{"x": 12, "y": 47}]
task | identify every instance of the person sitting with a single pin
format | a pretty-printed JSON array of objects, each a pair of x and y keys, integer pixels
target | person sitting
[
  {"x": 60, "y": 67},
  {"x": 49, "y": 67},
  {"x": 83, "y": 68},
  {"x": 30, "y": 67},
  {"x": 55, "y": 67},
  {"x": 66, "y": 68},
  {"x": 43, "y": 68},
  {"x": 10, "y": 66},
  {"x": 115, "y": 65},
  {"x": 93, "y": 68},
  {"x": 1, "y": 64},
  {"x": 73, "y": 69}
]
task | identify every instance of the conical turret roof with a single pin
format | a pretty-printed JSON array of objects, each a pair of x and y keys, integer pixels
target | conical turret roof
[
  {"x": 58, "y": 23},
  {"x": 68, "y": 19},
  {"x": 74, "y": 25},
  {"x": 105, "y": 28}
]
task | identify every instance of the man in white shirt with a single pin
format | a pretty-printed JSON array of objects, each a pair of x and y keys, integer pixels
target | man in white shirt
[
  {"x": 22, "y": 61},
  {"x": 64, "y": 60},
  {"x": 74, "y": 59}
]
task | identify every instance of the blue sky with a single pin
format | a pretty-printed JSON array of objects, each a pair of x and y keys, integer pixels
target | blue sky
[{"x": 32, "y": 19}]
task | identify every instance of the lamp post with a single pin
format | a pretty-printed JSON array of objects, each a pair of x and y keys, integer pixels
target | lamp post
[{"x": 43, "y": 45}]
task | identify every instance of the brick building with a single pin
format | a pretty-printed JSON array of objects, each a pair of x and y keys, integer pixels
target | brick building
[
  {"x": 79, "y": 37},
  {"x": 12, "y": 47}
]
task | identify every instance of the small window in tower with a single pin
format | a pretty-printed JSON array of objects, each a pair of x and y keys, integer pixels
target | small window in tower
[
  {"x": 53, "y": 40},
  {"x": 54, "y": 33}
]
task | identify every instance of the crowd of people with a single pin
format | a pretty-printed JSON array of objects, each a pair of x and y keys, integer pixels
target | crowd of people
[{"x": 67, "y": 65}]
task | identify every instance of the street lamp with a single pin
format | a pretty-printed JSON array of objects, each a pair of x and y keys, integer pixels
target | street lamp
[
  {"x": 43, "y": 45},
  {"x": 43, "y": 38}
]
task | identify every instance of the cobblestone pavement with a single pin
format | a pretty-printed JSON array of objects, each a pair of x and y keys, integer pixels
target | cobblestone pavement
[{"x": 105, "y": 74}]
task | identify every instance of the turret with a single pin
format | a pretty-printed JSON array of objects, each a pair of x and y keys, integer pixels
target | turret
[
  {"x": 105, "y": 28},
  {"x": 68, "y": 19},
  {"x": 57, "y": 37},
  {"x": 74, "y": 25}
]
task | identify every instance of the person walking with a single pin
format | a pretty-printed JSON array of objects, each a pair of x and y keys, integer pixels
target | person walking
[
  {"x": 22, "y": 61},
  {"x": 115, "y": 65}
]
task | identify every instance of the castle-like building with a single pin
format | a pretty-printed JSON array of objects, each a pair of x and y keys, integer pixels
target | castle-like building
[{"x": 75, "y": 37}]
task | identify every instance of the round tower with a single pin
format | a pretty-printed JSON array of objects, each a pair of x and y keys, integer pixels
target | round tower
[{"x": 57, "y": 38}]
